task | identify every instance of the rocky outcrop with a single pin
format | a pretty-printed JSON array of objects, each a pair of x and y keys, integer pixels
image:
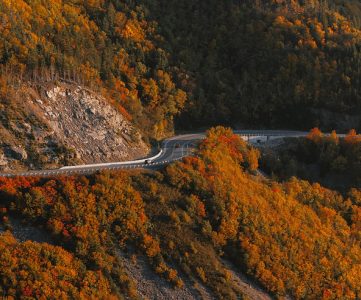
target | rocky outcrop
[
  {"x": 64, "y": 124},
  {"x": 17, "y": 153},
  {"x": 88, "y": 124}
]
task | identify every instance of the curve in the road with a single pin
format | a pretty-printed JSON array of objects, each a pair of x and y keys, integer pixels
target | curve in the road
[{"x": 173, "y": 149}]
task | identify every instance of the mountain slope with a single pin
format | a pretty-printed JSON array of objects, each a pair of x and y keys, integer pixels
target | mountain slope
[
  {"x": 294, "y": 239},
  {"x": 251, "y": 63},
  {"x": 105, "y": 45},
  {"x": 266, "y": 63}
]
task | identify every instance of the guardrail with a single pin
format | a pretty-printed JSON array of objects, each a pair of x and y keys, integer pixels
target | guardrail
[
  {"x": 139, "y": 161},
  {"x": 91, "y": 168}
]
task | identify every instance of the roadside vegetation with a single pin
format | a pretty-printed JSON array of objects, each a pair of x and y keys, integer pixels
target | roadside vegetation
[
  {"x": 292, "y": 239},
  {"x": 329, "y": 159}
]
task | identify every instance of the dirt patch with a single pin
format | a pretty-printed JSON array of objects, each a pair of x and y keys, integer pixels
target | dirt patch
[{"x": 247, "y": 286}]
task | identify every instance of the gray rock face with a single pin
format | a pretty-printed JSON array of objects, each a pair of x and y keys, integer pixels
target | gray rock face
[
  {"x": 87, "y": 123},
  {"x": 64, "y": 125}
]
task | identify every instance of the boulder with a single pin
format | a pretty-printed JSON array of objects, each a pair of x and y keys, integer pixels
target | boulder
[
  {"x": 3, "y": 161},
  {"x": 18, "y": 153}
]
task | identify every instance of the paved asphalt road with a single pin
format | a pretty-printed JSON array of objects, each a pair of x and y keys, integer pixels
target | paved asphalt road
[{"x": 174, "y": 148}]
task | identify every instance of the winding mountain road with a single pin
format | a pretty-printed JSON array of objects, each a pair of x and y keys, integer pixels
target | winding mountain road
[{"x": 172, "y": 149}]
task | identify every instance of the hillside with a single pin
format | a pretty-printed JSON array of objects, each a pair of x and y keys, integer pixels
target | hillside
[
  {"x": 86, "y": 81},
  {"x": 50, "y": 125},
  {"x": 266, "y": 63},
  {"x": 107, "y": 46},
  {"x": 196, "y": 223},
  {"x": 249, "y": 63}
]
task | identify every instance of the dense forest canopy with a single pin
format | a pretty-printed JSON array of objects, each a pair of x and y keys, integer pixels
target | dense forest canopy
[
  {"x": 255, "y": 63},
  {"x": 275, "y": 63},
  {"x": 30, "y": 270}
]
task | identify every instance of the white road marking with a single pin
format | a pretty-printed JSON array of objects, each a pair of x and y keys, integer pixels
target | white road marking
[{"x": 184, "y": 141}]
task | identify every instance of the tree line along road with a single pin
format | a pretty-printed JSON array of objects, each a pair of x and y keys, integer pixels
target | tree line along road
[{"x": 172, "y": 149}]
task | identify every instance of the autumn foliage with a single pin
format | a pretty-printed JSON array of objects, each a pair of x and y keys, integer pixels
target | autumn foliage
[
  {"x": 277, "y": 63},
  {"x": 294, "y": 238},
  {"x": 92, "y": 218},
  {"x": 31, "y": 270},
  {"x": 266, "y": 62},
  {"x": 107, "y": 46}
]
